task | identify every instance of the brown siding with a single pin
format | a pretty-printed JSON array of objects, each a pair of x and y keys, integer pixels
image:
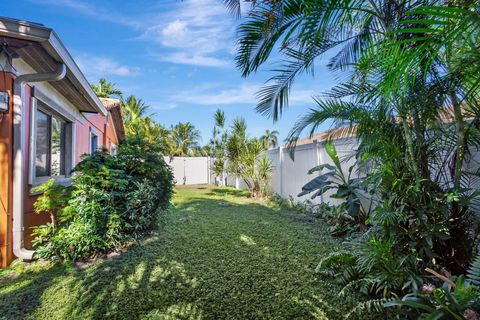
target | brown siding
[
  {"x": 31, "y": 219},
  {"x": 6, "y": 177}
]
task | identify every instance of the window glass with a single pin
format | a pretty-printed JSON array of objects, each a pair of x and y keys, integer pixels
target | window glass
[
  {"x": 49, "y": 145},
  {"x": 42, "y": 142},
  {"x": 93, "y": 142},
  {"x": 57, "y": 154},
  {"x": 113, "y": 149}
]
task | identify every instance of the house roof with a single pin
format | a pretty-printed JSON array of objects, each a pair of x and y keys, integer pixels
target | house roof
[
  {"x": 332, "y": 134},
  {"x": 42, "y": 49},
  {"x": 114, "y": 107},
  {"x": 446, "y": 115}
]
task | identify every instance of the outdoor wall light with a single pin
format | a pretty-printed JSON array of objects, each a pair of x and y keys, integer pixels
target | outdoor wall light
[{"x": 4, "y": 102}]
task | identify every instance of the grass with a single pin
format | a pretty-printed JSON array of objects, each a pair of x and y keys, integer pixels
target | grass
[{"x": 216, "y": 255}]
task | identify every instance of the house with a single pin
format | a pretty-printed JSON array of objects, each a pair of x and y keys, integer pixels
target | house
[{"x": 49, "y": 118}]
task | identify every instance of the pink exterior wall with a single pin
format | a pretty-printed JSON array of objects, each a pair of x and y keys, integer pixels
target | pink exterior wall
[{"x": 103, "y": 126}]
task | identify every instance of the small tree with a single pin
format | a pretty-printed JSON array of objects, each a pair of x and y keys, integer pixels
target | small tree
[{"x": 53, "y": 200}]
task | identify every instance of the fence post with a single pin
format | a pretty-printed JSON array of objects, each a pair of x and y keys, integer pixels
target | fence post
[
  {"x": 208, "y": 170},
  {"x": 316, "y": 143},
  {"x": 280, "y": 165},
  {"x": 184, "y": 171}
]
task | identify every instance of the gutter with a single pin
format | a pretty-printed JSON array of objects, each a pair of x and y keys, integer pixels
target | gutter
[
  {"x": 20, "y": 153},
  {"x": 49, "y": 40}
]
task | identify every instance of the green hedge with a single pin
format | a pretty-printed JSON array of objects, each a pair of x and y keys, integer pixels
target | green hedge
[{"x": 114, "y": 199}]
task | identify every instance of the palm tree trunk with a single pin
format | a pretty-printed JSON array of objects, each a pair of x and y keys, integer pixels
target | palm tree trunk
[
  {"x": 422, "y": 160},
  {"x": 460, "y": 144},
  {"x": 409, "y": 140}
]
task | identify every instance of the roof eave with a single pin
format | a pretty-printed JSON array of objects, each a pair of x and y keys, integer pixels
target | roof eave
[
  {"x": 54, "y": 46},
  {"x": 66, "y": 58}
]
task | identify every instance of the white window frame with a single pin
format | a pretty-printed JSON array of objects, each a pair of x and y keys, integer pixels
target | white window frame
[
  {"x": 93, "y": 133},
  {"x": 68, "y": 141},
  {"x": 113, "y": 147}
]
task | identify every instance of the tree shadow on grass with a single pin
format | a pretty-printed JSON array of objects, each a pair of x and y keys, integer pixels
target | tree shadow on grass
[
  {"x": 21, "y": 293},
  {"x": 205, "y": 265},
  {"x": 139, "y": 283}
]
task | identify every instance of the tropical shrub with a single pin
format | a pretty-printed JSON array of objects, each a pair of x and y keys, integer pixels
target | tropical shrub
[
  {"x": 373, "y": 267},
  {"x": 114, "y": 199},
  {"x": 346, "y": 188},
  {"x": 444, "y": 297},
  {"x": 52, "y": 201},
  {"x": 243, "y": 157},
  {"x": 147, "y": 171}
]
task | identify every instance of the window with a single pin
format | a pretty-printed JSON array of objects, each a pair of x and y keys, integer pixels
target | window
[
  {"x": 93, "y": 141},
  {"x": 52, "y": 134},
  {"x": 49, "y": 139},
  {"x": 113, "y": 149}
]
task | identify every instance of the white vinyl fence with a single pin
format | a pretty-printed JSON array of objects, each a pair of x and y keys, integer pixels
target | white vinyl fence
[
  {"x": 191, "y": 170},
  {"x": 289, "y": 176}
]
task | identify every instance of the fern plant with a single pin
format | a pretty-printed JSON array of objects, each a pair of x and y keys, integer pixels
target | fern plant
[
  {"x": 456, "y": 299},
  {"x": 373, "y": 268}
]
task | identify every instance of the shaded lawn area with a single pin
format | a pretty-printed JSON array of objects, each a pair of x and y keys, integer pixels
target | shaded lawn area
[{"x": 216, "y": 255}]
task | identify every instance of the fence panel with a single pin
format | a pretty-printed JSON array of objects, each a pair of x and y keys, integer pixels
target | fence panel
[
  {"x": 190, "y": 170},
  {"x": 289, "y": 176},
  {"x": 294, "y": 172}
]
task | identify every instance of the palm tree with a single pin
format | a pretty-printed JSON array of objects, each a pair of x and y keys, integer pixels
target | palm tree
[
  {"x": 133, "y": 109},
  {"x": 219, "y": 118},
  {"x": 105, "y": 89},
  {"x": 270, "y": 139},
  {"x": 185, "y": 138},
  {"x": 407, "y": 62}
]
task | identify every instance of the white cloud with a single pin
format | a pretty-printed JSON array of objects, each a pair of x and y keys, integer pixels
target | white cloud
[
  {"x": 198, "y": 33},
  {"x": 243, "y": 94},
  {"x": 193, "y": 59},
  {"x": 163, "y": 106},
  {"x": 100, "y": 66},
  {"x": 192, "y": 32}
]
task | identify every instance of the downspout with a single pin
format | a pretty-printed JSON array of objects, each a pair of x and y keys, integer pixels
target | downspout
[{"x": 20, "y": 153}]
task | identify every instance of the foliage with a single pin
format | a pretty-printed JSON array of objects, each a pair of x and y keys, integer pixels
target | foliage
[
  {"x": 269, "y": 139},
  {"x": 243, "y": 157},
  {"x": 217, "y": 146},
  {"x": 114, "y": 199},
  {"x": 138, "y": 124},
  {"x": 456, "y": 299},
  {"x": 185, "y": 139},
  {"x": 246, "y": 159},
  {"x": 409, "y": 93},
  {"x": 52, "y": 200},
  {"x": 344, "y": 186},
  {"x": 105, "y": 89},
  {"x": 372, "y": 267}
]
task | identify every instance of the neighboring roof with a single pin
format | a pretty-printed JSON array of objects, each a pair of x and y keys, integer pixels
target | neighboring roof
[
  {"x": 445, "y": 116},
  {"x": 114, "y": 107},
  {"x": 41, "y": 48},
  {"x": 333, "y": 134}
]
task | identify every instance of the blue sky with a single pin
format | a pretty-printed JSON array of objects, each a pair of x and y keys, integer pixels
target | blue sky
[{"x": 178, "y": 56}]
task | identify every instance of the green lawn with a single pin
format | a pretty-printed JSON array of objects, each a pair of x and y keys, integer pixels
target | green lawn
[{"x": 216, "y": 255}]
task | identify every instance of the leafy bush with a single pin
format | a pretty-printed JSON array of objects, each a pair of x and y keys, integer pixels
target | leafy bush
[
  {"x": 346, "y": 188},
  {"x": 456, "y": 298},
  {"x": 114, "y": 199},
  {"x": 374, "y": 268}
]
